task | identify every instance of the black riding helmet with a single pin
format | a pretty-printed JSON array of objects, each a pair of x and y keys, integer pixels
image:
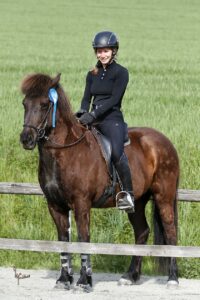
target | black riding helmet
[{"x": 105, "y": 39}]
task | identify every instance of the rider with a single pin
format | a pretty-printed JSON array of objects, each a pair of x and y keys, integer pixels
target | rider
[{"x": 105, "y": 86}]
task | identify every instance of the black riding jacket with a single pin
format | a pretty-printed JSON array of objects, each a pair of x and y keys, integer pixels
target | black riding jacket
[{"x": 105, "y": 90}]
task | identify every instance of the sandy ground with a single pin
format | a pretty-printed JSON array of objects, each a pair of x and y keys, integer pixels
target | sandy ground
[{"x": 40, "y": 286}]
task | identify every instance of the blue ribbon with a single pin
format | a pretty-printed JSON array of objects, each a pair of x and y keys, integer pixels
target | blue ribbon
[{"x": 53, "y": 97}]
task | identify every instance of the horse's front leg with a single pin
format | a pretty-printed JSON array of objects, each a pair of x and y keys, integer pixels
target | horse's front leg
[
  {"x": 82, "y": 217},
  {"x": 61, "y": 220}
]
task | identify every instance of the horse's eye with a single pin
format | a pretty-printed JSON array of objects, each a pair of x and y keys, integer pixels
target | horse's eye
[{"x": 44, "y": 106}]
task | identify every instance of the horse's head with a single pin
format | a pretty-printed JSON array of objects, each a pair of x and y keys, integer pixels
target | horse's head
[{"x": 37, "y": 108}]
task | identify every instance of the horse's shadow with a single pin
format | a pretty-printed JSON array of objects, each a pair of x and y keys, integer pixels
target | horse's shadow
[
  {"x": 102, "y": 277},
  {"x": 97, "y": 277},
  {"x": 158, "y": 280}
]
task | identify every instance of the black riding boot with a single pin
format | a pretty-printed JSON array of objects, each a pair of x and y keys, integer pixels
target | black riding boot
[{"x": 125, "y": 198}]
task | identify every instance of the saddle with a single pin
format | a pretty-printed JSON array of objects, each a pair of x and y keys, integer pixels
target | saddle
[{"x": 106, "y": 150}]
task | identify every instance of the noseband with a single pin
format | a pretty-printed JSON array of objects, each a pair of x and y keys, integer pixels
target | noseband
[{"x": 40, "y": 130}]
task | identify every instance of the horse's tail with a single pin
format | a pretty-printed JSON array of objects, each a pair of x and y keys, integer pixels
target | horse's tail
[{"x": 159, "y": 237}]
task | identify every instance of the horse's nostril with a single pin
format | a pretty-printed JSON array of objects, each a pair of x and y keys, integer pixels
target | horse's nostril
[{"x": 27, "y": 140}]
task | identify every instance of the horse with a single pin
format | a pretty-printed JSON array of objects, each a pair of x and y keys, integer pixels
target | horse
[{"x": 73, "y": 175}]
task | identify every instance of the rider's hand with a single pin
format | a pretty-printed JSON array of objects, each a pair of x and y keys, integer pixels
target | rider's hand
[
  {"x": 87, "y": 118},
  {"x": 80, "y": 112}
]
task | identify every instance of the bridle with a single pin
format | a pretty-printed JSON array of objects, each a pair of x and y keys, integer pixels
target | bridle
[
  {"x": 41, "y": 132},
  {"x": 40, "y": 129}
]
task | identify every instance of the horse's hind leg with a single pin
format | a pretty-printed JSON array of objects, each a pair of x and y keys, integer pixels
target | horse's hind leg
[
  {"x": 166, "y": 210},
  {"x": 62, "y": 224},
  {"x": 141, "y": 231}
]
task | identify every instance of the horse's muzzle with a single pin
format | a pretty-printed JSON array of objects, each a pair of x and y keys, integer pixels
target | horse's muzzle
[{"x": 28, "y": 139}]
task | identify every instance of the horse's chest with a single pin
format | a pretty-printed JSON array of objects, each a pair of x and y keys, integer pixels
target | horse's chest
[{"x": 50, "y": 181}]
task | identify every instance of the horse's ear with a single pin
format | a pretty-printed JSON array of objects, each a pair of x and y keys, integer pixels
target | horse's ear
[{"x": 55, "y": 81}]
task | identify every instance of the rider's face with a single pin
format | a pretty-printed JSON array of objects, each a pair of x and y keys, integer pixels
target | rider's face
[{"x": 104, "y": 55}]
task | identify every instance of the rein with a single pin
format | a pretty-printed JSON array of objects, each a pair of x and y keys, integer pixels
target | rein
[
  {"x": 41, "y": 132},
  {"x": 65, "y": 145}
]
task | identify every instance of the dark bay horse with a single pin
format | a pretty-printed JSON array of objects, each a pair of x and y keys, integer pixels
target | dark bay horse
[{"x": 73, "y": 176}]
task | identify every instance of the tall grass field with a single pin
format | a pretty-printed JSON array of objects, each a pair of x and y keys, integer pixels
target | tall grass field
[{"x": 159, "y": 44}]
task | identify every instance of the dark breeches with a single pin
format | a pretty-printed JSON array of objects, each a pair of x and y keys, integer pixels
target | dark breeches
[{"x": 115, "y": 132}]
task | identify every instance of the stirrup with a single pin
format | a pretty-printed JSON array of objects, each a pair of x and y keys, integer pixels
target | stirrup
[{"x": 125, "y": 201}]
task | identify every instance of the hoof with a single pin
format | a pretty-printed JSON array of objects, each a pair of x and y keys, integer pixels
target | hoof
[
  {"x": 62, "y": 285},
  {"x": 125, "y": 281},
  {"x": 172, "y": 284},
  {"x": 85, "y": 288},
  {"x": 129, "y": 279}
]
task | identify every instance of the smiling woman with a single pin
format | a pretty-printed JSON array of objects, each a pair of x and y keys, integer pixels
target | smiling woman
[{"x": 105, "y": 88}]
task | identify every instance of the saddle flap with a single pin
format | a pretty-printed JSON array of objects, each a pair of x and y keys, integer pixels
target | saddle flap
[{"x": 106, "y": 148}]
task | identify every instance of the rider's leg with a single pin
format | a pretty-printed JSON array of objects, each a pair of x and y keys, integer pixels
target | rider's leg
[
  {"x": 125, "y": 198},
  {"x": 115, "y": 132}
]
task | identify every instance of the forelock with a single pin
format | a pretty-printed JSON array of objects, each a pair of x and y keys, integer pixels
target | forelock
[{"x": 36, "y": 85}]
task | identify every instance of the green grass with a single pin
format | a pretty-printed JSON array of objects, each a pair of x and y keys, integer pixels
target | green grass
[{"x": 159, "y": 44}]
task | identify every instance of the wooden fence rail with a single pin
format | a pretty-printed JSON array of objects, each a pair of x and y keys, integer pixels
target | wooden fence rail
[
  {"x": 92, "y": 248},
  {"x": 34, "y": 189}
]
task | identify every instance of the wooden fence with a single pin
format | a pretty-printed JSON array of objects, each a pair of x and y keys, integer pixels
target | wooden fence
[
  {"x": 34, "y": 189},
  {"x": 92, "y": 248}
]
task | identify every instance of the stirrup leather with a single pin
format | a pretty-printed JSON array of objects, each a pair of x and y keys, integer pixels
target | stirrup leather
[{"x": 124, "y": 201}]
